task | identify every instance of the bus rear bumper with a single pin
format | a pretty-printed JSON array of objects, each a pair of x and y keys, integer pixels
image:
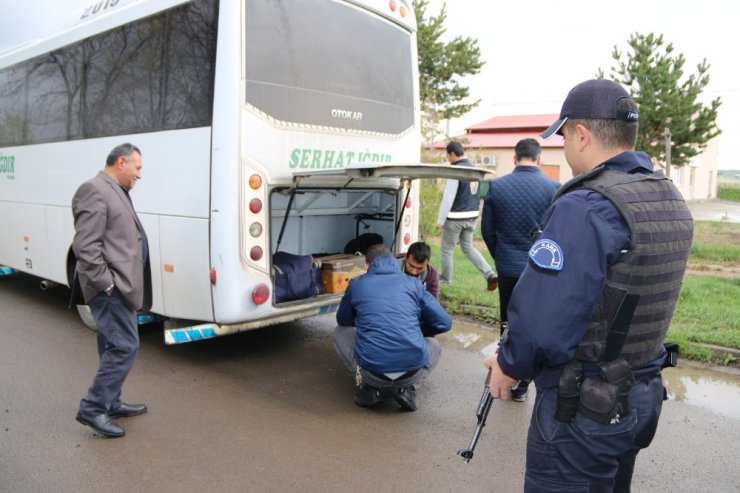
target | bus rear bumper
[{"x": 210, "y": 330}]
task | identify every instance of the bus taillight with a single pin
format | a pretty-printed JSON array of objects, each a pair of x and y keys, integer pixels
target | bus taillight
[
  {"x": 255, "y": 181},
  {"x": 255, "y": 205},
  {"x": 392, "y": 5},
  {"x": 255, "y": 253},
  {"x": 260, "y": 294},
  {"x": 406, "y": 239},
  {"x": 255, "y": 229},
  {"x": 212, "y": 275}
]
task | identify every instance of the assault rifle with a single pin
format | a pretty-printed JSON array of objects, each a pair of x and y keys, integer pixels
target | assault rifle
[{"x": 484, "y": 407}]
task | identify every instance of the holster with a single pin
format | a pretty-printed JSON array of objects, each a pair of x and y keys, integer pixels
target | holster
[
  {"x": 569, "y": 389},
  {"x": 606, "y": 396},
  {"x": 671, "y": 358}
]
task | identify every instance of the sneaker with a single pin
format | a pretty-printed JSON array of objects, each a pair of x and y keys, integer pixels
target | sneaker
[
  {"x": 406, "y": 398},
  {"x": 492, "y": 282},
  {"x": 367, "y": 396},
  {"x": 519, "y": 397}
]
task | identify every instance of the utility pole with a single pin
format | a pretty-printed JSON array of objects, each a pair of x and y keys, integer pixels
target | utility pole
[{"x": 667, "y": 135}]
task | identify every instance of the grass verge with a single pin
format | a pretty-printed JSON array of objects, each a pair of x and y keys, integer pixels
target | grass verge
[
  {"x": 729, "y": 191},
  {"x": 707, "y": 311}
]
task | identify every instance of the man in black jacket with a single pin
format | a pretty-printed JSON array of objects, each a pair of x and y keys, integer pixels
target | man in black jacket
[{"x": 512, "y": 211}]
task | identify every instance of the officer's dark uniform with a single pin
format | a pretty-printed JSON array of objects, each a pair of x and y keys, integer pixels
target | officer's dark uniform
[{"x": 580, "y": 270}]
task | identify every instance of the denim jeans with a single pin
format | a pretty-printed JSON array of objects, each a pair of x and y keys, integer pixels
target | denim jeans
[
  {"x": 586, "y": 456},
  {"x": 460, "y": 230}
]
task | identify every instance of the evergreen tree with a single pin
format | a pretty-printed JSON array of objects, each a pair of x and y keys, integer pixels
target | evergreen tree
[
  {"x": 441, "y": 65},
  {"x": 667, "y": 98}
]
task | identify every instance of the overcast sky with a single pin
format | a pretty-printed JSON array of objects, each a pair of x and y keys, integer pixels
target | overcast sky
[{"x": 535, "y": 51}]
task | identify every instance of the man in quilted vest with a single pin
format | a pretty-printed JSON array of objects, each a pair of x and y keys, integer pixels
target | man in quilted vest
[{"x": 589, "y": 315}]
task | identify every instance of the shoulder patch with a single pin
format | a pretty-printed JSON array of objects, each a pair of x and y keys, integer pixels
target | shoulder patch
[{"x": 547, "y": 254}]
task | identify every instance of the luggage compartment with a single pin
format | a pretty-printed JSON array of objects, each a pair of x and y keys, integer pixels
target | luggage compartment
[
  {"x": 321, "y": 211},
  {"x": 321, "y": 222},
  {"x": 338, "y": 270}
]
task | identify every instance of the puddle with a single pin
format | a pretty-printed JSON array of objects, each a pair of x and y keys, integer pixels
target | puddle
[
  {"x": 711, "y": 390},
  {"x": 471, "y": 337}
]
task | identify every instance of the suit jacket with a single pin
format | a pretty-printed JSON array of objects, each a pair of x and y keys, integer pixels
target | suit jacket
[{"x": 109, "y": 243}]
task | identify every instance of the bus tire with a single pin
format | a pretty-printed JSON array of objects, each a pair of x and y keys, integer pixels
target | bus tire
[{"x": 87, "y": 317}]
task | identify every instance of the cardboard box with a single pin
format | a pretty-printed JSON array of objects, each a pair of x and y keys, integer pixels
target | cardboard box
[{"x": 337, "y": 270}]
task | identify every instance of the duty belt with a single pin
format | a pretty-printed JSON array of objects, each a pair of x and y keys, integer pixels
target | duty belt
[{"x": 550, "y": 379}]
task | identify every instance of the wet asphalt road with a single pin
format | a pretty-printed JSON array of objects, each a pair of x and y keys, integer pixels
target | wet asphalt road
[
  {"x": 715, "y": 210},
  {"x": 272, "y": 410}
]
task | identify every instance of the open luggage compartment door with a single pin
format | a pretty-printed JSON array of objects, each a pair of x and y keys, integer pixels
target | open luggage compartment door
[
  {"x": 323, "y": 211},
  {"x": 404, "y": 171}
]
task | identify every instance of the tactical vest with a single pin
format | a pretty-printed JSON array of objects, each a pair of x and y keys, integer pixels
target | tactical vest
[
  {"x": 467, "y": 199},
  {"x": 661, "y": 230}
]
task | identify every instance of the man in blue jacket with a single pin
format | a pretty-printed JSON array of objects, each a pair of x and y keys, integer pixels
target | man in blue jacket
[
  {"x": 387, "y": 321},
  {"x": 511, "y": 217}
]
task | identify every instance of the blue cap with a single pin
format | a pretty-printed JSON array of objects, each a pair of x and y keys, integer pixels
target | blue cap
[{"x": 595, "y": 99}]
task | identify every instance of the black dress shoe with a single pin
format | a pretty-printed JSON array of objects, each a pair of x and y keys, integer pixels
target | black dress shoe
[
  {"x": 127, "y": 410},
  {"x": 101, "y": 424}
]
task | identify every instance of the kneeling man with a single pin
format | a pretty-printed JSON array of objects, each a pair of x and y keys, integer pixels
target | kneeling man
[{"x": 387, "y": 321}]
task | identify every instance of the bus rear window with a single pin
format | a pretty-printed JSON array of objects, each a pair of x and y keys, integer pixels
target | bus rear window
[{"x": 328, "y": 64}]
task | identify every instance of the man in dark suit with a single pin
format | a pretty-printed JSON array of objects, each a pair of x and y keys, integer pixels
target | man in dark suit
[{"x": 112, "y": 255}]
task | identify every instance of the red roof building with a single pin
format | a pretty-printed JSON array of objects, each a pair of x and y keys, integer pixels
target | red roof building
[{"x": 491, "y": 144}]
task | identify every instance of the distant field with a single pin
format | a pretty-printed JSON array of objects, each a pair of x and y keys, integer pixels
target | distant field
[
  {"x": 728, "y": 187},
  {"x": 729, "y": 190},
  {"x": 729, "y": 175}
]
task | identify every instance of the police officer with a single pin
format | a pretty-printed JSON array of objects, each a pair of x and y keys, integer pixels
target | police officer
[{"x": 589, "y": 315}]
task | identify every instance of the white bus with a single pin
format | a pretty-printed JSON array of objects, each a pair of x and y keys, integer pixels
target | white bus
[{"x": 247, "y": 112}]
